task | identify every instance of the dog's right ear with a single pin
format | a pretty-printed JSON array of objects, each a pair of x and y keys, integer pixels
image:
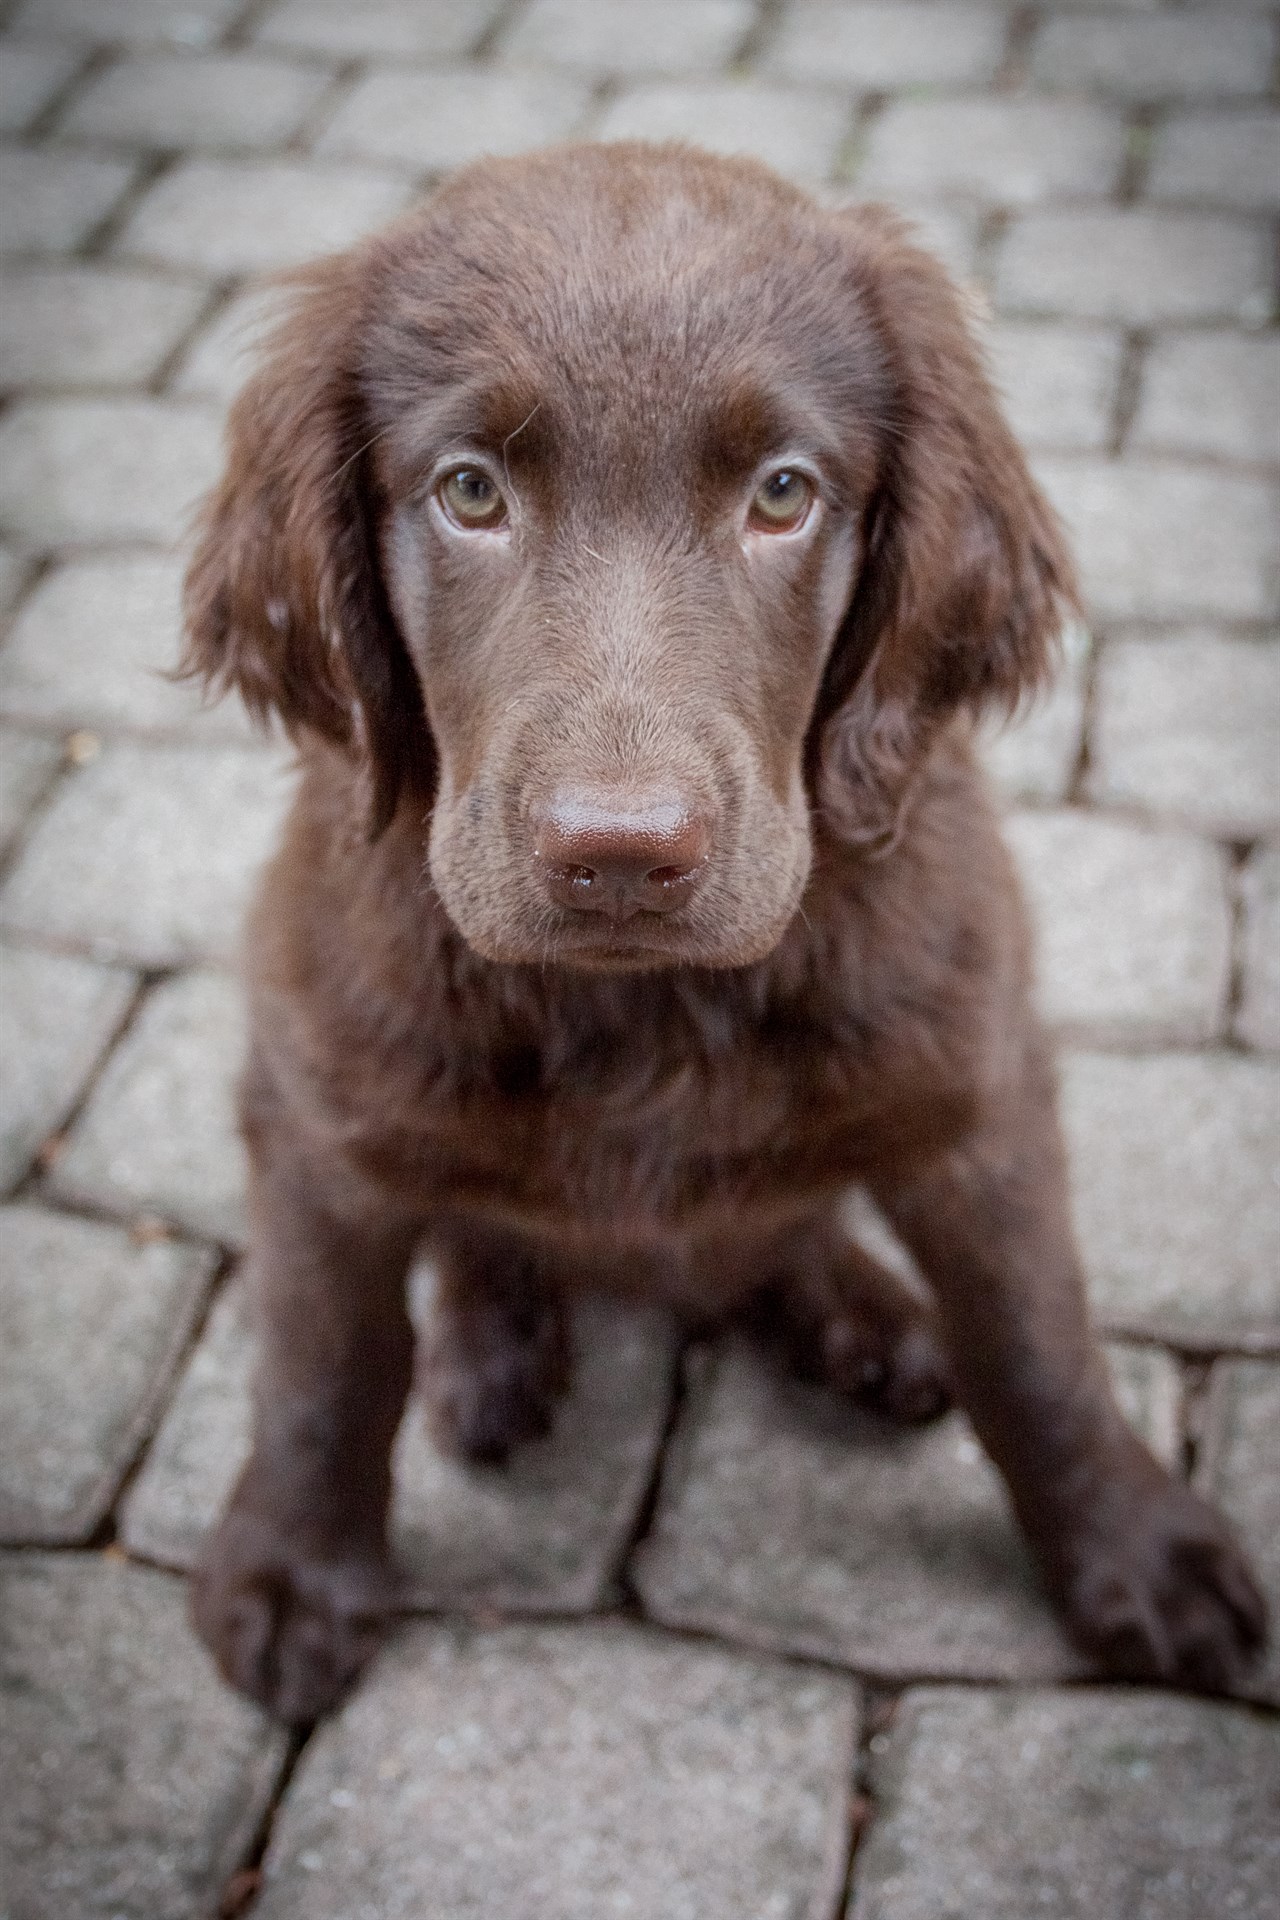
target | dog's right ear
[{"x": 284, "y": 599}]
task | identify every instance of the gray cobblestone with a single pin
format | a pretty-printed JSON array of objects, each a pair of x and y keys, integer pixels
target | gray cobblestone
[
  {"x": 541, "y": 1536},
  {"x": 195, "y": 23},
  {"x": 567, "y": 1774},
  {"x": 880, "y": 47},
  {"x": 799, "y": 133},
  {"x": 1134, "y": 265},
  {"x": 435, "y": 29},
  {"x": 1007, "y": 152},
  {"x": 1173, "y": 1163},
  {"x": 51, "y": 201},
  {"x": 1158, "y": 541},
  {"x": 1226, "y": 159},
  {"x": 240, "y": 216},
  {"x": 1058, "y": 382},
  {"x": 1213, "y": 393},
  {"x": 697, "y": 35},
  {"x": 91, "y": 646},
  {"x": 786, "y": 1520},
  {"x": 85, "y": 326},
  {"x": 1133, "y": 927},
  {"x": 1208, "y": 51},
  {"x": 57, "y": 1015},
  {"x": 1087, "y": 1805},
  {"x": 1258, "y": 1020},
  {"x": 176, "y": 100},
  {"x": 1237, "y": 1469},
  {"x": 435, "y": 121},
  {"x": 1034, "y": 755},
  {"x": 27, "y": 767},
  {"x": 1188, "y": 728},
  {"x": 148, "y": 853},
  {"x": 131, "y": 1780},
  {"x": 93, "y": 1324},
  {"x": 158, "y": 1135},
  {"x": 127, "y": 469},
  {"x": 224, "y": 352},
  {"x": 30, "y": 74}
]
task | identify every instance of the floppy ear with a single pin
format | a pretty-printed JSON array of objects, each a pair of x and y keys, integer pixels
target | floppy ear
[
  {"x": 965, "y": 574},
  {"x": 284, "y": 599}
]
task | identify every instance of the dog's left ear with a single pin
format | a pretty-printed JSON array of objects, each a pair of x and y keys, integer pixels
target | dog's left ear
[{"x": 965, "y": 575}]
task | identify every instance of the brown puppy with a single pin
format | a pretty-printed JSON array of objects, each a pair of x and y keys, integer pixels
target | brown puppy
[{"x": 628, "y": 543}]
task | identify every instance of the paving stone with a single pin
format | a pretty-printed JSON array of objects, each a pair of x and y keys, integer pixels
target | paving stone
[
  {"x": 132, "y": 1780},
  {"x": 127, "y": 469},
  {"x": 149, "y": 853},
  {"x": 436, "y": 121},
  {"x": 50, "y": 201},
  {"x": 93, "y": 1325},
  {"x": 14, "y": 568},
  {"x": 57, "y": 1015},
  {"x": 1237, "y": 1468},
  {"x": 799, "y": 133},
  {"x": 30, "y": 74},
  {"x": 27, "y": 767},
  {"x": 788, "y": 1520},
  {"x": 1058, "y": 383},
  {"x": 880, "y": 47},
  {"x": 1174, "y": 1177},
  {"x": 1086, "y": 1805},
  {"x": 158, "y": 1134},
  {"x": 241, "y": 216},
  {"x": 1258, "y": 1020},
  {"x": 1208, "y": 52},
  {"x": 437, "y": 29},
  {"x": 1214, "y": 393},
  {"x": 1133, "y": 927},
  {"x": 1162, "y": 541},
  {"x": 540, "y": 1536},
  {"x": 1034, "y": 755},
  {"x": 87, "y": 326},
  {"x": 225, "y": 351},
  {"x": 192, "y": 23},
  {"x": 1227, "y": 159},
  {"x": 569, "y": 1773},
  {"x": 172, "y": 100},
  {"x": 1188, "y": 727},
  {"x": 1010, "y": 152},
  {"x": 91, "y": 647},
  {"x": 1135, "y": 265},
  {"x": 663, "y": 36}
]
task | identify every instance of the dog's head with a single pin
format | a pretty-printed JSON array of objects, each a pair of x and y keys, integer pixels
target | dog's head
[{"x": 624, "y": 510}]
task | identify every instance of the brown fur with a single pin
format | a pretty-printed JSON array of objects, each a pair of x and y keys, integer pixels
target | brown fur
[{"x": 626, "y": 338}]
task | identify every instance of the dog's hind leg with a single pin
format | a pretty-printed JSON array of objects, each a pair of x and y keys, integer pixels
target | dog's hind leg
[{"x": 495, "y": 1357}]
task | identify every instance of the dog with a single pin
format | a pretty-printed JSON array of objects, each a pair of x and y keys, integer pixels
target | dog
[{"x": 628, "y": 544}]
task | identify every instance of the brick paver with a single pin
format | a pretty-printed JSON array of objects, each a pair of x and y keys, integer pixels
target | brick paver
[
  {"x": 663, "y": 1782},
  {"x": 1084, "y": 1805},
  {"x": 1102, "y": 178}
]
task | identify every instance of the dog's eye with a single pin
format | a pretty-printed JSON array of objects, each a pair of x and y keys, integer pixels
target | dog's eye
[
  {"x": 782, "y": 501},
  {"x": 470, "y": 498}
]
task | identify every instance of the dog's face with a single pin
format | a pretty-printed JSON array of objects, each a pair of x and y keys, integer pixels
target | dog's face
[{"x": 622, "y": 506}]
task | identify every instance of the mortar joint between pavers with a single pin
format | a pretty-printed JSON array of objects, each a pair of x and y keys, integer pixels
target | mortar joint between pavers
[
  {"x": 1134, "y": 349},
  {"x": 343, "y": 78},
  {"x": 160, "y": 383},
  {"x": 488, "y": 42},
  {"x": 240, "y": 29},
  {"x": 1143, "y": 123},
  {"x": 1077, "y": 794},
  {"x": 993, "y": 225},
  {"x": 759, "y": 36},
  {"x": 150, "y": 168},
  {"x": 1013, "y": 72},
  {"x": 96, "y": 61}
]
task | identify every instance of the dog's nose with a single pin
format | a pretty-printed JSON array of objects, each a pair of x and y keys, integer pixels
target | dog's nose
[{"x": 600, "y": 854}]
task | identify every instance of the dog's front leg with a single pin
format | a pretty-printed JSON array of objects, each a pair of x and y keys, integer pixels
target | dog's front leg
[
  {"x": 294, "y": 1585},
  {"x": 1149, "y": 1577}
]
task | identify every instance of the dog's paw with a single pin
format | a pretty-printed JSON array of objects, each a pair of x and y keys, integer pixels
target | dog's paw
[
  {"x": 490, "y": 1386},
  {"x": 858, "y": 1330},
  {"x": 289, "y": 1632},
  {"x": 1167, "y": 1596}
]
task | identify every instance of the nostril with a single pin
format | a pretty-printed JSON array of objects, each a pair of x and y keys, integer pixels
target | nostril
[
  {"x": 667, "y": 876},
  {"x": 578, "y": 876}
]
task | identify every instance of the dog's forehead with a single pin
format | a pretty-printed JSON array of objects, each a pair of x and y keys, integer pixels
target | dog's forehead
[{"x": 577, "y": 271}]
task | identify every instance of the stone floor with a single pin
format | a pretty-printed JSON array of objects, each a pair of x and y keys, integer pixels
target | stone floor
[{"x": 717, "y": 1650}]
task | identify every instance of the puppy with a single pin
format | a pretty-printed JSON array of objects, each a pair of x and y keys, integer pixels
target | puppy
[{"x": 628, "y": 544}]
